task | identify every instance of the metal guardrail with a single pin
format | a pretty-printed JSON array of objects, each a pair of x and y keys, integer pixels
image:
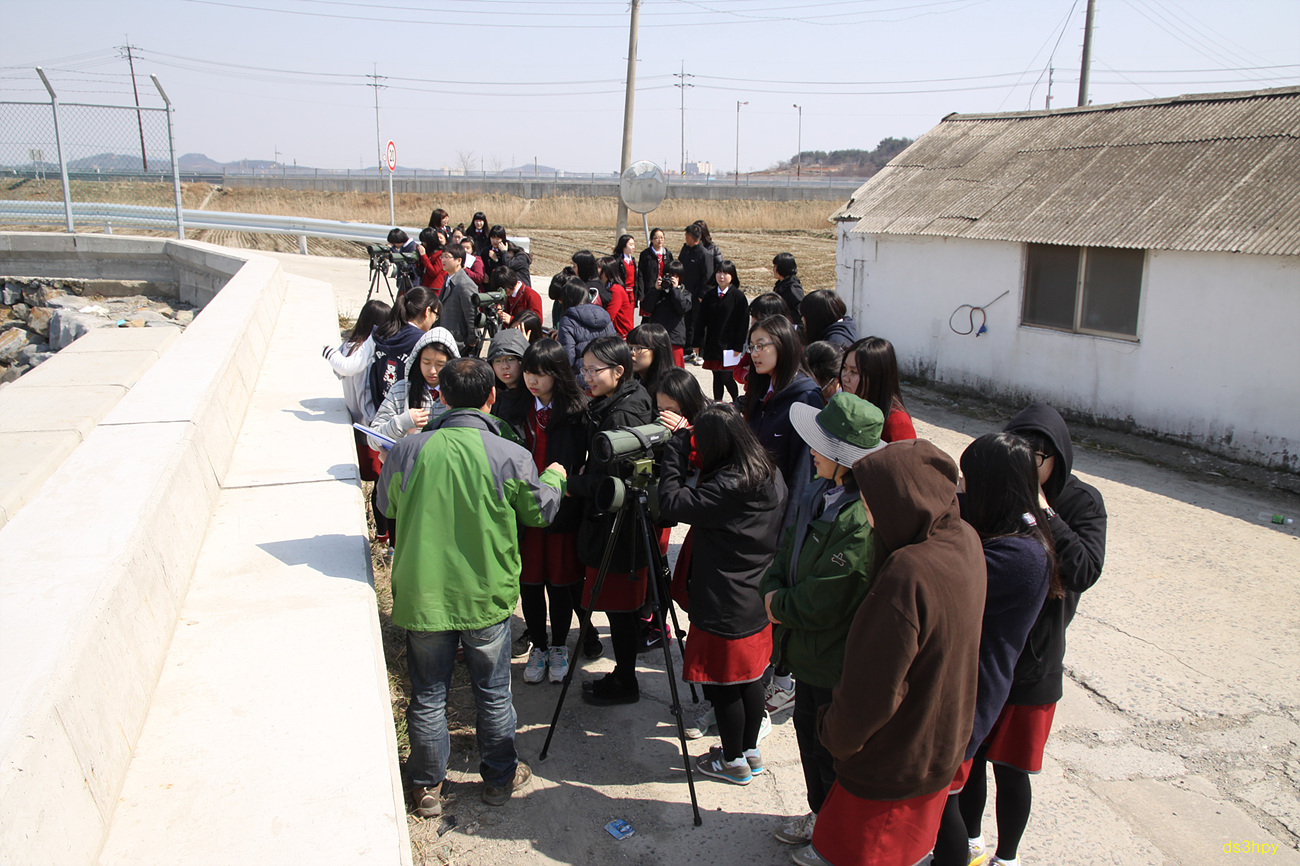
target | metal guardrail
[{"x": 136, "y": 216}]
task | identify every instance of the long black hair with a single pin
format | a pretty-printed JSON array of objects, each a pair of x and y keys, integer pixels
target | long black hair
[
  {"x": 789, "y": 352},
  {"x": 585, "y": 262},
  {"x": 372, "y": 313},
  {"x": 768, "y": 304},
  {"x": 611, "y": 270},
  {"x": 612, "y": 352},
  {"x": 820, "y": 310},
  {"x": 683, "y": 389},
  {"x": 417, "y": 388},
  {"x": 653, "y": 336},
  {"x": 877, "y": 374},
  {"x": 409, "y": 306},
  {"x": 620, "y": 247},
  {"x": 1002, "y": 494},
  {"x": 530, "y": 323},
  {"x": 706, "y": 237},
  {"x": 546, "y": 358},
  {"x": 725, "y": 442}
]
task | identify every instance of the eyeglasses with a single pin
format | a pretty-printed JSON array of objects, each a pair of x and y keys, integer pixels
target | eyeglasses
[
  {"x": 759, "y": 347},
  {"x": 1040, "y": 458},
  {"x": 640, "y": 350},
  {"x": 589, "y": 372}
]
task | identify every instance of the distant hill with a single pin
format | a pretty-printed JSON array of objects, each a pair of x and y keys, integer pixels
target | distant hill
[
  {"x": 528, "y": 168},
  {"x": 853, "y": 163}
]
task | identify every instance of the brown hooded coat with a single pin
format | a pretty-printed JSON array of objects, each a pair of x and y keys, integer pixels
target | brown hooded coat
[{"x": 902, "y": 713}]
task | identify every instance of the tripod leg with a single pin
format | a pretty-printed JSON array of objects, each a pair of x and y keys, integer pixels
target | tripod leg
[
  {"x": 656, "y": 611},
  {"x": 665, "y": 581},
  {"x": 584, "y": 627}
]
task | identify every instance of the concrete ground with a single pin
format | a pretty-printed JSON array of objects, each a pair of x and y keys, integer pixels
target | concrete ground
[{"x": 1178, "y": 737}]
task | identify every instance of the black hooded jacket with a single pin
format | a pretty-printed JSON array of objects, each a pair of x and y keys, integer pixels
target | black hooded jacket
[
  {"x": 1078, "y": 532},
  {"x": 769, "y": 418},
  {"x": 791, "y": 291},
  {"x": 736, "y": 534}
]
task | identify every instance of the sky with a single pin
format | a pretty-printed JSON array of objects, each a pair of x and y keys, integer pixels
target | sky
[{"x": 499, "y": 83}]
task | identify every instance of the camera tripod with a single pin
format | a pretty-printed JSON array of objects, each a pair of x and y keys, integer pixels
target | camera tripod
[
  {"x": 378, "y": 272},
  {"x": 636, "y": 501}
]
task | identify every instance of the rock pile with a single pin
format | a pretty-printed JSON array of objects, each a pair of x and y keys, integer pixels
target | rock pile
[{"x": 40, "y": 316}]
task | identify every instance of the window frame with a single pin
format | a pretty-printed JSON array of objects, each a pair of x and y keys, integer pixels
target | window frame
[{"x": 1080, "y": 290}]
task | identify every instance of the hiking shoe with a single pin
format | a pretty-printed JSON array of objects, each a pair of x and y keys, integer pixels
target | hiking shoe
[
  {"x": 765, "y": 726},
  {"x": 808, "y": 856},
  {"x": 592, "y": 648},
  {"x": 715, "y": 765},
  {"x": 557, "y": 663},
  {"x": 797, "y": 831},
  {"x": 428, "y": 800},
  {"x": 702, "y": 722},
  {"x": 608, "y": 691},
  {"x": 521, "y": 646},
  {"x": 535, "y": 670},
  {"x": 494, "y": 796},
  {"x": 778, "y": 699}
]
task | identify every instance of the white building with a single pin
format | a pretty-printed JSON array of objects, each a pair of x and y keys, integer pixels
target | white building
[{"x": 1136, "y": 263}]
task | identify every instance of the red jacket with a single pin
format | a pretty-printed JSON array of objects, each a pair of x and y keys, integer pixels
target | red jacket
[
  {"x": 434, "y": 276},
  {"x": 619, "y": 309},
  {"x": 477, "y": 273},
  {"x": 524, "y": 299}
]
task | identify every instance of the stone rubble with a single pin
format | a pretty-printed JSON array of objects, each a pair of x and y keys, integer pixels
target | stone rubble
[{"x": 40, "y": 316}]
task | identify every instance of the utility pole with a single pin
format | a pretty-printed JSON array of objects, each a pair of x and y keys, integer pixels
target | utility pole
[
  {"x": 139, "y": 119},
  {"x": 683, "y": 85},
  {"x": 738, "y": 104},
  {"x": 1051, "y": 71},
  {"x": 625, "y": 158},
  {"x": 1087, "y": 53},
  {"x": 798, "y": 157},
  {"x": 379, "y": 143}
]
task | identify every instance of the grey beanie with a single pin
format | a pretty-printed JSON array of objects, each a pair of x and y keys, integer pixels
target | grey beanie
[{"x": 509, "y": 341}]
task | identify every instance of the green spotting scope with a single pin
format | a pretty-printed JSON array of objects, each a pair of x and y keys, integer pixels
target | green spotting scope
[{"x": 629, "y": 443}]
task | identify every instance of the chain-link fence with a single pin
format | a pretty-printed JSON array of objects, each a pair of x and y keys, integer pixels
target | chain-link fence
[{"x": 88, "y": 167}]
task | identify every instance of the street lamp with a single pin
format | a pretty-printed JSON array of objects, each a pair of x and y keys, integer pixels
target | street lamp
[
  {"x": 738, "y": 104},
  {"x": 797, "y": 161}
]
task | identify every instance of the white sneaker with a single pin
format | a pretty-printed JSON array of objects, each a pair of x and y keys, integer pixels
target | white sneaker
[
  {"x": 797, "y": 831},
  {"x": 778, "y": 698},
  {"x": 701, "y": 722},
  {"x": 535, "y": 669},
  {"x": 557, "y": 664},
  {"x": 765, "y": 727}
]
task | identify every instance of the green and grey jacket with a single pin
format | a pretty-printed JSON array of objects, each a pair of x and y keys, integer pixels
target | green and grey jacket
[
  {"x": 821, "y": 574},
  {"x": 459, "y": 492}
]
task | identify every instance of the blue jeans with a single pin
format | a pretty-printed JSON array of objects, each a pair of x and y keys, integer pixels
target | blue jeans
[{"x": 430, "y": 657}]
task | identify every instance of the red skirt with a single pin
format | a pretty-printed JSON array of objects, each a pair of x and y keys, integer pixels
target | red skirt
[
  {"x": 1020, "y": 735},
  {"x": 549, "y": 558},
  {"x": 717, "y": 365},
  {"x": 619, "y": 593},
  {"x": 963, "y": 773},
  {"x": 851, "y": 831},
  {"x": 720, "y": 661},
  {"x": 367, "y": 460}
]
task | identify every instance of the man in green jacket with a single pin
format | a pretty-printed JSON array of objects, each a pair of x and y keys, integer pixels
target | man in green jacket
[{"x": 459, "y": 491}]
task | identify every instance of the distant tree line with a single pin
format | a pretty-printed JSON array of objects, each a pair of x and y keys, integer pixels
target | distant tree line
[{"x": 854, "y": 162}]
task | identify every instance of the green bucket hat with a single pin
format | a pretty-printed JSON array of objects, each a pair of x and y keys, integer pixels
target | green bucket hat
[{"x": 847, "y": 430}]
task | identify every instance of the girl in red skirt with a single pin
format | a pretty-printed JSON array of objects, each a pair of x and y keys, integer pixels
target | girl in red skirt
[
  {"x": 735, "y": 512},
  {"x": 555, "y": 432}
]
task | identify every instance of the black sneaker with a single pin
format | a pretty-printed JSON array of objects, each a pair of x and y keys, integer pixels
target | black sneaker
[
  {"x": 592, "y": 647},
  {"x": 651, "y": 638},
  {"x": 521, "y": 646},
  {"x": 609, "y": 691}
]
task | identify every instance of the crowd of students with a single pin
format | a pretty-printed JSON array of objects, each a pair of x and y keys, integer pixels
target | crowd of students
[{"x": 910, "y": 612}]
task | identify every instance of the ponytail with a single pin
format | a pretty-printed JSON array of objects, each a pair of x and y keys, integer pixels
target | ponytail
[{"x": 409, "y": 306}]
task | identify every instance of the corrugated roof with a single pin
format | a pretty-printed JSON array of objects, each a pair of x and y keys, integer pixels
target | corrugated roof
[{"x": 1213, "y": 172}]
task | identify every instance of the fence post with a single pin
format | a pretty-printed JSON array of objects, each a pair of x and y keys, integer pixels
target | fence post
[
  {"x": 171, "y": 149},
  {"x": 58, "y": 147}
]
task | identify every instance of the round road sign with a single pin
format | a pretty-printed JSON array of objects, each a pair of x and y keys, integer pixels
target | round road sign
[{"x": 392, "y": 156}]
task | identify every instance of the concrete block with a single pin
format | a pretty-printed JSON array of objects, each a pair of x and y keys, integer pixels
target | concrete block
[
  {"x": 25, "y": 410},
  {"x": 156, "y": 340},
  {"x": 68, "y": 325},
  {"x": 1190, "y": 821},
  {"x": 29, "y": 459},
  {"x": 206, "y": 747},
  {"x": 81, "y": 369}
]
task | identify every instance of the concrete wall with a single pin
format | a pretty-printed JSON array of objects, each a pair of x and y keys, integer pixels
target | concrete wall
[
  {"x": 836, "y": 190},
  {"x": 97, "y": 564},
  {"x": 1214, "y": 364}
]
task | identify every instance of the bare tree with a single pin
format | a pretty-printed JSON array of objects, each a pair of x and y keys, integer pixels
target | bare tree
[
  {"x": 494, "y": 163},
  {"x": 466, "y": 160}
]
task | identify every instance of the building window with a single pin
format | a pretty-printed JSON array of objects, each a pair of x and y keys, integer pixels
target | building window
[{"x": 1089, "y": 290}]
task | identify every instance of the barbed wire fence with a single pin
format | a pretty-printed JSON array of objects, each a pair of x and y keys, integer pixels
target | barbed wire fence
[{"x": 89, "y": 166}]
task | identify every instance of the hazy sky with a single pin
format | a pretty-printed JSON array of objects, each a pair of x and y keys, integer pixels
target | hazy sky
[{"x": 512, "y": 81}]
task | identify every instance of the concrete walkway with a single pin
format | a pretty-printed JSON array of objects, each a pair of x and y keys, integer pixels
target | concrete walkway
[{"x": 1178, "y": 736}]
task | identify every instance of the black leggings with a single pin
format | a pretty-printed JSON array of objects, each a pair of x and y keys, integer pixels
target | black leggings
[
  {"x": 382, "y": 524},
  {"x": 623, "y": 637},
  {"x": 724, "y": 380},
  {"x": 950, "y": 847},
  {"x": 739, "y": 710},
  {"x": 1015, "y": 797},
  {"x": 532, "y": 598}
]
